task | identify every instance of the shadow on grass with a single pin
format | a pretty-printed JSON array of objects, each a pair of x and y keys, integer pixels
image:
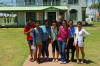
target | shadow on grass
[
  {"x": 75, "y": 61},
  {"x": 85, "y": 61}
]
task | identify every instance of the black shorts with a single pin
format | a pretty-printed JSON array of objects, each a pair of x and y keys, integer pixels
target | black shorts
[
  {"x": 30, "y": 42},
  {"x": 55, "y": 46}
]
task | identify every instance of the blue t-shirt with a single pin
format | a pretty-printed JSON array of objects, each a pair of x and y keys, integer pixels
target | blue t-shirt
[
  {"x": 37, "y": 35},
  {"x": 53, "y": 33},
  {"x": 72, "y": 32},
  {"x": 46, "y": 32}
]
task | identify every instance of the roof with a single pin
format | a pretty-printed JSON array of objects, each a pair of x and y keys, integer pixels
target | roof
[{"x": 32, "y": 8}]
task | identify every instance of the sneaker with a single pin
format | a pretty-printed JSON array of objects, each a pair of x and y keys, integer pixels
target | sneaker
[
  {"x": 70, "y": 62},
  {"x": 77, "y": 61},
  {"x": 38, "y": 61},
  {"x": 31, "y": 60},
  {"x": 82, "y": 62},
  {"x": 64, "y": 62},
  {"x": 54, "y": 60},
  {"x": 61, "y": 62}
]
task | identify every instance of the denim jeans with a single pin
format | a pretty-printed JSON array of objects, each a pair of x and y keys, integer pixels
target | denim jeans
[
  {"x": 45, "y": 49},
  {"x": 62, "y": 46}
]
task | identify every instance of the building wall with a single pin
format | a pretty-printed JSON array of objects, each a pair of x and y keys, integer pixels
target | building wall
[
  {"x": 78, "y": 7},
  {"x": 20, "y": 2},
  {"x": 21, "y": 18}
]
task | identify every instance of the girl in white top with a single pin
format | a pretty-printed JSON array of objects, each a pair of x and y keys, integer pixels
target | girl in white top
[{"x": 80, "y": 35}]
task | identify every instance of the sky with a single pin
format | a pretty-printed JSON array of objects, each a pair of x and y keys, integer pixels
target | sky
[{"x": 87, "y": 10}]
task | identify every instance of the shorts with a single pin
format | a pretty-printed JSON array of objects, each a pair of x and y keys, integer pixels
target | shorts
[
  {"x": 30, "y": 42},
  {"x": 38, "y": 43},
  {"x": 55, "y": 46},
  {"x": 79, "y": 44}
]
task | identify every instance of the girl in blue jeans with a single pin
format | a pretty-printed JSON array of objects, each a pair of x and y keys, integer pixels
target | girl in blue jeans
[{"x": 63, "y": 37}]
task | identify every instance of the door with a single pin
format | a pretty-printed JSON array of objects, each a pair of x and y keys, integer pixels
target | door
[{"x": 51, "y": 16}]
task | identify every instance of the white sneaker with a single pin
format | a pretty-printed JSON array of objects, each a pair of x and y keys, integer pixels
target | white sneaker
[
  {"x": 70, "y": 62},
  {"x": 61, "y": 62},
  {"x": 56, "y": 60},
  {"x": 64, "y": 62},
  {"x": 53, "y": 60},
  {"x": 82, "y": 62},
  {"x": 77, "y": 61}
]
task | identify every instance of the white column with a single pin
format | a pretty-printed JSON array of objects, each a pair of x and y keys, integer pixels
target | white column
[
  {"x": 12, "y": 20},
  {"x": 37, "y": 15},
  {"x": 79, "y": 14},
  {"x": 45, "y": 16},
  {"x": 9, "y": 19},
  {"x": 0, "y": 20},
  {"x": 57, "y": 14},
  {"x": 3, "y": 18},
  {"x": 6, "y": 18},
  {"x": 25, "y": 18},
  {"x": 65, "y": 16}
]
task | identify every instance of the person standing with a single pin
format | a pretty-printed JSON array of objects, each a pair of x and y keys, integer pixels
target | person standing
[
  {"x": 37, "y": 41},
  {"x": 80, "y": 35},
  {"x": 59, "y": 23},
  {"x": 71, "y": 41},
  {"x": 54, "y": 31},
  {"x": 46, "y": 39},
  {"x": 63, "y": 38},
  {"x": 27, "y": 29}
]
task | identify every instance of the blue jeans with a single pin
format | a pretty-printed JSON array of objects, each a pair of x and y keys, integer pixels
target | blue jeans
[
  {"x": 62, "y": 46},
  {"x": 45, "y": 49}
]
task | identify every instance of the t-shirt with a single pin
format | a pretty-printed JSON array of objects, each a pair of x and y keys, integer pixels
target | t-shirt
[
  {"x": 72, "y": 32},
  {"x": 46, "y": 32},
  {"x": 28, "y": 34},
  {"x": 53, "y": 33},
  {"x": 64, "y": 34}
]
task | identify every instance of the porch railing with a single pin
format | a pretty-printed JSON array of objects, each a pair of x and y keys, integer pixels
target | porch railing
[{"x": 15, "y": 4}]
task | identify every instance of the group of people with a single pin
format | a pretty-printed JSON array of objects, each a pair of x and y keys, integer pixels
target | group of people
[{"x": 62, "y": 35}]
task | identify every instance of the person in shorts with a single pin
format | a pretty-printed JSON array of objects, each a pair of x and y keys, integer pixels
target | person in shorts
[
  {"x": 27, "y": 29},
  {"x": 37, "y": 40}
]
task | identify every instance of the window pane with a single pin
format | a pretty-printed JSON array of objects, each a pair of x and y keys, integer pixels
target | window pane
[
  {"x": 75, "y": 1},
  {"x": 70, "y": 1}
]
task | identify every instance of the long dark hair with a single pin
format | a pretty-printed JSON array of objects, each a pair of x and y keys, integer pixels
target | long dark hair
[
  {"x": 28, "y": 25},
  {"x": 65, "y": 22},
  {"x": 70, "y": 21}
]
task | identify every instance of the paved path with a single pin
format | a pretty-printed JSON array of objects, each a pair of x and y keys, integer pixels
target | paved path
[{"x": 28, "y": 63}]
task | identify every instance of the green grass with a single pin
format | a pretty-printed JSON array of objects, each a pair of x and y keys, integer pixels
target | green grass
[
  {"x": 13, "y": 47},
  {"x": 92, "y": 47}
]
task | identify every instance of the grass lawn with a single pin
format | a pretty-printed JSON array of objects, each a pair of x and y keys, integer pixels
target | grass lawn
[
  {"x": 14, "y": 48},
  {"x": 92, "y": 46}
]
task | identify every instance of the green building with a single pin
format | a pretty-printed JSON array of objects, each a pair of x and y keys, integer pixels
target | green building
[{"x": 45, "y": 9}]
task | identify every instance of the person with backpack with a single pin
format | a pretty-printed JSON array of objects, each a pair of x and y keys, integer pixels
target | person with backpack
[
  {"x": 63, "y": 38},
  {"x": 27, "y": 29},
  {"x": 54, "y": 31}
]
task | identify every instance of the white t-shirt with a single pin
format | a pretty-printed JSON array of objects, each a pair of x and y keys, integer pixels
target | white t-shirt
[{"x": 79, "y": 37}]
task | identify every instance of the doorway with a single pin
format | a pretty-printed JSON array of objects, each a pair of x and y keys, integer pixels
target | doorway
[{"x": 51, "y": 16}]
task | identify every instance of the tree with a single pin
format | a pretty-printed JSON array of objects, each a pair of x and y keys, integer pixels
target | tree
[{"x": 96, "y": 6}]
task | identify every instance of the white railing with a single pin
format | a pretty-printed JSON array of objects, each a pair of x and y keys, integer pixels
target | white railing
[{"x": 14, "y": 4}]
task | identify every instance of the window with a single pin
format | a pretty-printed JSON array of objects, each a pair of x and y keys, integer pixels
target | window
[
  {"x": 73, "y": 14},
  {"x": 72, "y": 1},
  {"x": 29, "y": 2}
]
